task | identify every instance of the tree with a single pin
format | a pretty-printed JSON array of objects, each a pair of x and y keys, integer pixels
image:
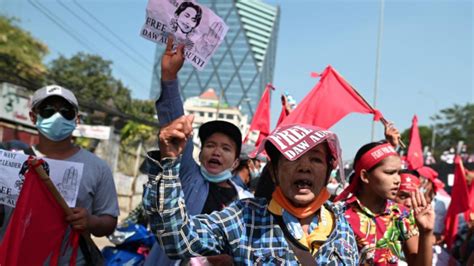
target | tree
[
  {"x": 451, "y": 125},
  {"x": 143, "y": 108},
  {"x": 90, "y": 78},
  {"x": 21, "y": 55},
  {"x": 426, "y": 135},
  {"x": 455, "y": 124}
]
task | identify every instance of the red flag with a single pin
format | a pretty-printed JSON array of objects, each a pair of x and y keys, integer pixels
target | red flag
[
  {"x": 329, "y": 101},
  {"x": 469, "y": 214},
  {"x": 284, "y": 110},
  {"x": 415, "y": 152},
  {"x": 459, "y": 202},
  {"x": 261, "y": 118},
  {"x": 37, "y": 227}
]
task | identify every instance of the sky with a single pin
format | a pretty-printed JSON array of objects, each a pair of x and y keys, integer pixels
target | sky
[{"x": 426, "y": 52}]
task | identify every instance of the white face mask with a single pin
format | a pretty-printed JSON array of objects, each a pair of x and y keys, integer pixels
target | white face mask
[
  {"x": 254, "y": 173},
  {"x": 222, "y": 176}
]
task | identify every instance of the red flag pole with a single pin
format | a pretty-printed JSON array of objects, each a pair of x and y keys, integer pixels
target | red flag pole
[{"x": 382, "y": 119}]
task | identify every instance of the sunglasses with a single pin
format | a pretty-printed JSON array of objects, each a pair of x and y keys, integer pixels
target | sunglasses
[{"x": 48, "y": 111}]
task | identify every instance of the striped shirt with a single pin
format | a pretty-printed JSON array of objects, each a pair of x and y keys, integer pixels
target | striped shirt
[{"x": 245, "y": 230}]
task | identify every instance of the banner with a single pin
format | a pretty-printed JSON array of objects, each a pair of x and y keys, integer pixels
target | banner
[
  {"x": 191, "y": 24},
  {"x": 65, "y": 175}
]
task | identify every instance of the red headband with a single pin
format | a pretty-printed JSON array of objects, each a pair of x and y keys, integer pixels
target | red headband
[
  {"x": 409, "y": 182},
  {"x": 367, "y": 161}
]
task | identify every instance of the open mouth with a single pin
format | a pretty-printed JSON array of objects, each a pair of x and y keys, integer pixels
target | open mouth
[
  {"x": 303, "y": 184},
  {"x": 214, "y": 163}
]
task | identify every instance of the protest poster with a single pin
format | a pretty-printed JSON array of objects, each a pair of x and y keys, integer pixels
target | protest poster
[
  {"x": 65, "y": 175},
  {"x": 191, "y": 24}
]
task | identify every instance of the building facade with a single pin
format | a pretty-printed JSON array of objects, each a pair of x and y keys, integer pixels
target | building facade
[
  {"x": 242, "y": 65},
  {"x": 207, "y": 107}
]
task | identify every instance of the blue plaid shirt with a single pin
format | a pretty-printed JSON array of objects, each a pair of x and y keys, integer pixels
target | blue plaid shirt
[{"x": 245, "y": 230}]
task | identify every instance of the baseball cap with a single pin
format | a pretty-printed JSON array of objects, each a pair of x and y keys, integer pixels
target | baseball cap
[
  {"x": 292, "y": 141},
  {"x": 53, "y": 90},
  {"x": 224, "y": 127}
]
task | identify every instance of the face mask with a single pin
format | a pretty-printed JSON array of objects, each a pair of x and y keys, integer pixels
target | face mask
[
  {"x": 254, "y": 173},
  {"x": 56, "y": 127},
  {"x": 222, "y": 176}
]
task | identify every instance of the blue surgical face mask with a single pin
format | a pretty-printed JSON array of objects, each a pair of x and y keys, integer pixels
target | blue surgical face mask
[
  {"x": 222, "y": 176},
  {"x": 55, "y": 127},
  {"x": 254, "y": 173}
]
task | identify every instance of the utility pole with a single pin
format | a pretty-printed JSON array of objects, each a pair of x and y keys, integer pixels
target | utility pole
[{"x": 377, "y": 63}]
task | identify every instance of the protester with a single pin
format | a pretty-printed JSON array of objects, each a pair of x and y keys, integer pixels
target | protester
[
  {"x": 409, "y": 183},
  {"x": 431, "y": 186},
  {"x": 55, "y": 113},
  {"x": 207, "y": 187},
  {"x": 381, "y": 226},
  {"x": 248, "y": 168},
  {"x": 6, "y": 210},
  {"x": 298, "y": 224}
]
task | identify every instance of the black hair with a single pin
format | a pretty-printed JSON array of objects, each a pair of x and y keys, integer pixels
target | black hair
[
  {"x": 242, "y": 164},
  {"x": 265, "y": 185},
  {"x": 411, "y": 172},
  {"x": 185, "y": 5}
]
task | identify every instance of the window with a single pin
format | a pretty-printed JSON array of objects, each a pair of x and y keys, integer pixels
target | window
[
  {"x": 201, "y": 114},
  {"x": 209, "y": 114},
  {"x": 229, "y": 117},
  {"x": 221, "y": 116}
]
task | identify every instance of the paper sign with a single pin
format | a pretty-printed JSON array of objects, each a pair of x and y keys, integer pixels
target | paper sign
[
  {"x": 94, "y": 132},
  {"x": 65, "y": 175},
  {"x": 192, "y": 24}
]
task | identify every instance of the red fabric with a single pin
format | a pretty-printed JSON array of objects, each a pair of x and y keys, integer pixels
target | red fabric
[
  {"x": 36, "y": 228},
  {"x": 329, "y": 101},
  {"x": 467, "y": 214},
  {"x": 409, "y": 183},
  {"x": 261, "y": 118},
  {"x": 459, "y": 202},
  {"x": 415, "y": 152},
  {"x": 367, "y": 161}
]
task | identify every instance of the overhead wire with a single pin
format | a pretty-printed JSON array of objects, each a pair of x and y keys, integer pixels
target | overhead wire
[
  {"x": 59, "y": 22},
  {"x": 118, "y": 38},
  {"x": 102, "y": 36}
]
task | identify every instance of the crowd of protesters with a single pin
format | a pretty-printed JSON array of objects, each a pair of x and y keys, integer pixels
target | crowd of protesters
[{"x": 213, "y": 212}]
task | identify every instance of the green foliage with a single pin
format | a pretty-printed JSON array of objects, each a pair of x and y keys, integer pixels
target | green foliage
[
  {"x": 144, "y": 109},
  {"x": 455, "y": 124},
  {"x": 133, "y": 133},
  {"x": 452, "y": 125},
  {"x": 21, "y": 55},
  {"x": 426, "y": 135},
  {"x": 90, "y": 77}
]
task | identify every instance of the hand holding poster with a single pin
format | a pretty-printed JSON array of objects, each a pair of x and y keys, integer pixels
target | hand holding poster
[
  {"x": 65, "y": 175},
  {"x": 196, "y": 26}
]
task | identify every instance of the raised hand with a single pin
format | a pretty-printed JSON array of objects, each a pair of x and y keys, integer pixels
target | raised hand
[
  {"x": 392, "y": 135},
  {"x": 210, "y": 40},
  {"x": 171, "y": 62},
  {"x": 173, "y": 137},
  {"x": 424, "y": 213}
]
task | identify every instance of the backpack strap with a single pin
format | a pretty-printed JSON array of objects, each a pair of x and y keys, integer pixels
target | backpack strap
[{"x": 302, "y": 253}]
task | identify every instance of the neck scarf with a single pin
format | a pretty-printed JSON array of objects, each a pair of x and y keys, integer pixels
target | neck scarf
[
  {"x": 320, "y": 228},
  {"x": 299, "y": 212}
]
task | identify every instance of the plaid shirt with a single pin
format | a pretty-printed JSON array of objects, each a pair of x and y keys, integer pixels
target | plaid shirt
[{"x": 245, "y": 230}]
